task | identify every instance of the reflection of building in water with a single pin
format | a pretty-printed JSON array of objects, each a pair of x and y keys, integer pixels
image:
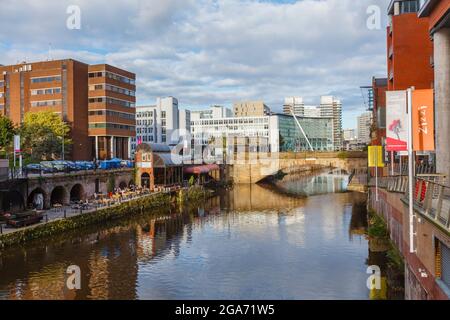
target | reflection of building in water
[
  {"x": 104, "y": 258},
  {"x": 161, "y": 237},
  {"x": 333, "y": 181},
  {"x": 255, "y": 197},
  {"x": 358, "y": 222}
]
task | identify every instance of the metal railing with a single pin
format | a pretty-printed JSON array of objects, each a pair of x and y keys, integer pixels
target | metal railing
[{"x": 432, "y": 199}]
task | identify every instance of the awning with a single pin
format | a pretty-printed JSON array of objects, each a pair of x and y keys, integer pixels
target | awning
[{"x": 201, "y": 169}]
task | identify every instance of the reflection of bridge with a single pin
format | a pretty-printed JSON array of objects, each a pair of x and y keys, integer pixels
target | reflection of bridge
[
  {"x": 16, "y": 195},
  {"x": 254, "y": 168}
]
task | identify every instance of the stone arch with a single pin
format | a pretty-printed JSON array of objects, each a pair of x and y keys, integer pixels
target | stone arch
[
  {"x": 32, "y": 197},
  {"x": 123, "y": 185},
  {"x": 12, "y": 201},
  {"x": 59, "y": 196},
  {"x": 77, "y": 193},
  {"x": 145, "y": 180}
]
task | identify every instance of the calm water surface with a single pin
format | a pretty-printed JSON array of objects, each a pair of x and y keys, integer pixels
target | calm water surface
[{"x": 302, "y": 239}]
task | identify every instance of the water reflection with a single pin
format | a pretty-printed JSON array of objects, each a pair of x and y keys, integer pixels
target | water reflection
[{"x": 247, "y": 243}]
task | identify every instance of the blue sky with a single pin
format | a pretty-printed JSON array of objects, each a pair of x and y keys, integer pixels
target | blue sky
[{"x": 211, "y": 51}]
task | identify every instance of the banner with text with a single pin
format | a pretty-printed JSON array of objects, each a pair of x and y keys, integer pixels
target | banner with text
[{"x": 423, "y": 120}]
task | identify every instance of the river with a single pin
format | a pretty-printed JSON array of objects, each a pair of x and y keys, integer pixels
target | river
[{"x": 303, "y": 238}]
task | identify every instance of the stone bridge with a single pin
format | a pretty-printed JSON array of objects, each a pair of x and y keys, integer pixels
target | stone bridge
[
  {"x": 254, "y": 168},
  {"x": 61, "y": 188}
]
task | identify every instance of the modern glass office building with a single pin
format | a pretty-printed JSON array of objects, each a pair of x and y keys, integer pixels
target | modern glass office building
[{"x": 290, "y": 138}]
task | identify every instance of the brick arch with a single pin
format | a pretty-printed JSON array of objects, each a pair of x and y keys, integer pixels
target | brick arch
[
  {"x": 77, "y": 192},
  {"x": 35, "y": 191},
  {"x": 12, "y": 201},
  {"x": 59, "y": 195},
  {"x": 123, "y": 184}
]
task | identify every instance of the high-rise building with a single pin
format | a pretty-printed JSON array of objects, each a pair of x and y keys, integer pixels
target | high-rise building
[
  {"x": 112, "y": 121},
  {"x": 331, "y": 107},
  {"x": 350, "y": 134},
  {"x": 159, "y": 123},
  {"x": 294, "y": 104},
  {"x": 96, "y": 100},
  {"x": 250, "y": 109},
  {"x": 409, "y": 47},
  {"x": 312, "y": 112},
  {"x": 364, "y": 127}
]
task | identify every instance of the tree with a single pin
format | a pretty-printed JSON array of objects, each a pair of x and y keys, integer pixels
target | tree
[
  {"x": 7, "y": 132},
  {"x": 41, "y": 135}
]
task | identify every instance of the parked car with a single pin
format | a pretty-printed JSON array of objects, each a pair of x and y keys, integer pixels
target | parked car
[
  {"x": 38, "y": 168},
  {"x": 56, "y": 167}
]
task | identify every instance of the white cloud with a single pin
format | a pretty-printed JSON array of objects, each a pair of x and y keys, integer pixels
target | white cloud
[{"x": 210, "y": 51}]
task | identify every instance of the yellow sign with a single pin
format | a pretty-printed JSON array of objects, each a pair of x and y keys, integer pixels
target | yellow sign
[{"x": 376, "y": 157}]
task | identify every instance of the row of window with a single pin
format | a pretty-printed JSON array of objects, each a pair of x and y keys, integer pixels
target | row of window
[
  {"x": 45, "y": 91},
  {"x": 112, "y": 88},
  {"x": 144, "y": 122},
  {"x": 111, "y": 113},
  {"x": 228, "y": 128},
  {"x": 48, "y": 103},
  {"x": 111, "y": 126},
  {"x": 147, "y": 114},
  {"x": 46, "y": 79},
  {"x": 147, "y": 138},
  {"x": 144, "y": 130},
  {"x": 231, "y": 121},
  {"x": 117, "y": 102},
  {"x": 110, "y": 75},
  {"x": 409, "y": 6}
]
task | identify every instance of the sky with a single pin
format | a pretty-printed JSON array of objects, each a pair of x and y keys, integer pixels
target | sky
[{"x": 206, "y": 52}]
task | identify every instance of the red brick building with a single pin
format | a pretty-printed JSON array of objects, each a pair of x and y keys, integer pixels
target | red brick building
[
  {"x": 97, "y": 101},
  {"x": 409, "y": 47},
  {"x": 379, "y": 87}
]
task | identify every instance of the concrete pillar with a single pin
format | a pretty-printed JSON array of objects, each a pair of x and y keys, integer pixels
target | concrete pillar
[
  {"x": 442, "y": 99},
  {"x": 113, "y": 147},
  {"x": 96, "y": 147}
]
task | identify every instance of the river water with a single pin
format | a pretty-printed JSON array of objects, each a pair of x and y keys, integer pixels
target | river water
[{"x": 303, "y": 238}]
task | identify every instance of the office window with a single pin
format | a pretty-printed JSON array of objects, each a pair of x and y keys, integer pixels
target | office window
[{"x": 163, "y": 114}]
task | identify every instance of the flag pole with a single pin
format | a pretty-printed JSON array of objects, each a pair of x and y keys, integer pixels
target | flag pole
[
  {"x": 411, "y": 173},
  {"x": 376, "y": 173}
]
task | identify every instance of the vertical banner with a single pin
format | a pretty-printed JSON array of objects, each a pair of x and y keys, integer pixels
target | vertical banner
[
  {"x": 396, "y": 121},
  {"x": 17, "y": 144},
  {"x": 423, "y": 120},
  {"x": 376, "y": 157}
]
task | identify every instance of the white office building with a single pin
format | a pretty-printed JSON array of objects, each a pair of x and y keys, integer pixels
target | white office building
[
  {"x": 331, "y": 107},
  {"x": 364, "y": 124},
  {"x": 295, "y": 104},
  {"x": 274, "y": 133},
  {"x": 159, "y": 123},
  {"x": 213, "y": 112},
  {"x": 312, "y": 112}
]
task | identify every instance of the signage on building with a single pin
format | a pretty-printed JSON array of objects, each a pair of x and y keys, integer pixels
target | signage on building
[
  {"x": 396, "y": 121},
  {"x": 423, "y": 120}
]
